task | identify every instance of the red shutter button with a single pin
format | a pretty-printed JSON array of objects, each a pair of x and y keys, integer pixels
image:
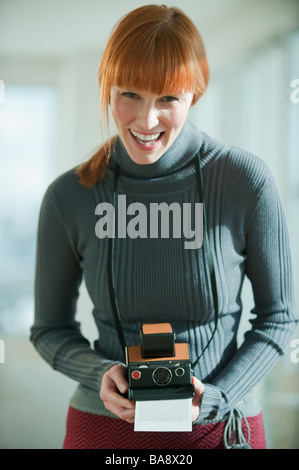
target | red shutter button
[{"x": 136, "y": 374}]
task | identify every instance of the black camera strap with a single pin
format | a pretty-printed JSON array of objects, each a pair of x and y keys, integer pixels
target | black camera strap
[
  {"x": 111, "y": 257},
  {"x": 209, "y": 253},
  {"x": 110, "y": 268}
]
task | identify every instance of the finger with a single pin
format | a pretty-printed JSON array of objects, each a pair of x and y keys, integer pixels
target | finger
[
  {"x": 110, "y": 394},
  {"x": 198, "y": 386},
  {"x": 123, "y": 413},
  {"x": 122, "y": 387},
  {"x": 120, "y": 401},
  {"x": 118, "y": 375},
  {"x": 197, "y": 399},
  {"x": 199, "y": 390}
]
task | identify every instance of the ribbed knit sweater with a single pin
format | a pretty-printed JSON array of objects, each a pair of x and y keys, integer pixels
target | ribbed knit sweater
[{"x": 159, "y": 280}]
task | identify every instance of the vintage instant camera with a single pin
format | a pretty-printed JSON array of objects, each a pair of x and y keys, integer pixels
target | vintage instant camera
[{"x": 159, "y": 369}]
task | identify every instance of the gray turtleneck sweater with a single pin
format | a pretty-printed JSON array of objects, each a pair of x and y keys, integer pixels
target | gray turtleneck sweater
[{"x": 159, "y": 280}]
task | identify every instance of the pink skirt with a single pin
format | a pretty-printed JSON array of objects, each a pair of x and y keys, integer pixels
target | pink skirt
[{"x": 91, "y": 431}]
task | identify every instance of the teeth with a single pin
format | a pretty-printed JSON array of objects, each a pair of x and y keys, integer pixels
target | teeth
[{"x": 148, "y": 138}]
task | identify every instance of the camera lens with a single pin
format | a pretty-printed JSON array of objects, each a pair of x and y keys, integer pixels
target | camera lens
[{"x": 162, "y": 376}]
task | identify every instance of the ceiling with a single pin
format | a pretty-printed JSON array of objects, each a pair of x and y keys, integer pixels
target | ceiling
[{"x": 53, "y": 29}]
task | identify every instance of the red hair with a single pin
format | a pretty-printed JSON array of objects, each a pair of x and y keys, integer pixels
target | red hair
[{"x": 153, "y": 48}]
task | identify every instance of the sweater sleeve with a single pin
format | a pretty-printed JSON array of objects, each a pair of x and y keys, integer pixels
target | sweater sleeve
[
  {"x": 55, "y": 333},
  {"x": 268, "y": 267}
]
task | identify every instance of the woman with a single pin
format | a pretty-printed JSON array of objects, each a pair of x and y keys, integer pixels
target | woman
[{"x": 153, "y": 70}]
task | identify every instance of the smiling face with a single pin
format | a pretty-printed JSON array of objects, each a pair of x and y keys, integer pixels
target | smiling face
[{"x": 147, "y": 123}]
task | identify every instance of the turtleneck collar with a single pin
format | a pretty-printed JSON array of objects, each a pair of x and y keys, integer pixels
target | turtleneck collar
[{"x": 179, "y": 154}]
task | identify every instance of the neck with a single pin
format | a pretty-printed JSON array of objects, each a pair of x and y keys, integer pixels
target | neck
[{"x": 179, "y": 154}]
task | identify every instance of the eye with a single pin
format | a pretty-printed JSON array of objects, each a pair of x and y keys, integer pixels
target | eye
[
  {"x": 168, "y": 99},
  {"x": 128, "y": 94}
]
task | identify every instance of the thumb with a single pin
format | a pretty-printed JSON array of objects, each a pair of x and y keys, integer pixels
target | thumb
[
  {"x": 197, "y": 399},
  {"x": 120, "y": 378},
  {"x": 198, "y": 386}
]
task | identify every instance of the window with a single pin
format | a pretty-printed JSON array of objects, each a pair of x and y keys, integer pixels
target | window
[
  {"x": 28, "y": 149},
  {"x": 249, "y": 104}
]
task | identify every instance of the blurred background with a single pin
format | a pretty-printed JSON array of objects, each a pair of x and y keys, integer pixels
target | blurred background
[{"x": 49, "y": 122}]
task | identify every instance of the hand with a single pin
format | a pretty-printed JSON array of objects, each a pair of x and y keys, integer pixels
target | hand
[
  {"x": 196, "y": 401},
  {"x": 114, "y": 385}
]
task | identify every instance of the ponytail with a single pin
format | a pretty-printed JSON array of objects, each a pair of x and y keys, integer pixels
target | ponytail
[{"x": 95, "y": 168}]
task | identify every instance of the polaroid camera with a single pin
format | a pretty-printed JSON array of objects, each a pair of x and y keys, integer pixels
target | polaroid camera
[{"x": 159, "y": 369}]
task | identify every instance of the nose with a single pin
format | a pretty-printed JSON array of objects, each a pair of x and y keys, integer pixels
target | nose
[{"x": 148, "y": 117}]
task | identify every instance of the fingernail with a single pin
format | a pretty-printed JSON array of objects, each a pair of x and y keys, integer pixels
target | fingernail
[{"x": 123, "y": 388}]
